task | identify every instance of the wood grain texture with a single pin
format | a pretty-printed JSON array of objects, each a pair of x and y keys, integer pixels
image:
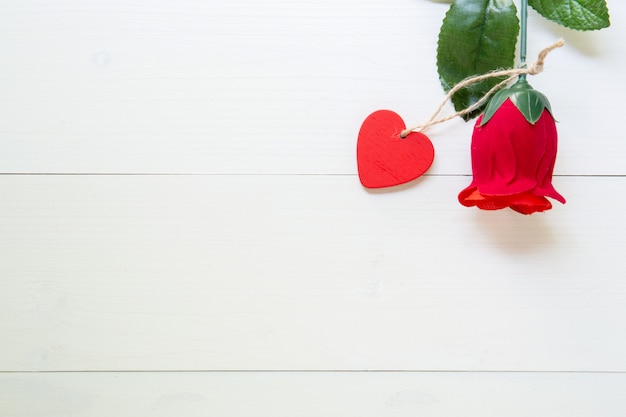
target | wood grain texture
[
  {"x": 313, "y": 394},
  {"x": 305, "y": 272},
  {"x": 264, "y": 88},
  {"x": 274, "y": 257}
]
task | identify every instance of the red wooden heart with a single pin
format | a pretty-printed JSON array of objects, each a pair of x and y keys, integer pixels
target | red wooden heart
[{"x": 384, "y": 159}]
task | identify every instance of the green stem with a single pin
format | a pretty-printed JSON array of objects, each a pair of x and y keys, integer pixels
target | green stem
[{"x": 523, "y": 31}]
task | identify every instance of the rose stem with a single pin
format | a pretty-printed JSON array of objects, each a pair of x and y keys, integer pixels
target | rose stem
[{"x": 523, "y": 30}]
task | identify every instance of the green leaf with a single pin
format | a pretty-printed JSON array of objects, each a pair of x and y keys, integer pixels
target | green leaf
[
  {"x": 494, "y": 104},
  {"x": 574, "y": 14},
  {"x": 477, "y": 36},
  {"x": 528, "y": 101},
  {"x": 531, "y": 104}
]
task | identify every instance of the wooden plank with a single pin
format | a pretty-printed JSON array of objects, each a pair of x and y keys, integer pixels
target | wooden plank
[
  {"x": 305, "y": 272},
  {"x": 313, "y": 394},
  {"x": 240, "y": 86}
]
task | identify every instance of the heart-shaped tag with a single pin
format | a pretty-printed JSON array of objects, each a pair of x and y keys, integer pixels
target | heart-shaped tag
[{"x": 384, "y": 159}]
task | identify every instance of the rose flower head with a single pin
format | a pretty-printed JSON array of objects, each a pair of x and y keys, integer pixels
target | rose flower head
[{"x": 513, "y": 150}]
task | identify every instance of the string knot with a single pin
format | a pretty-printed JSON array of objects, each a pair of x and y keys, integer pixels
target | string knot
[{"x": 537, "y": 66}]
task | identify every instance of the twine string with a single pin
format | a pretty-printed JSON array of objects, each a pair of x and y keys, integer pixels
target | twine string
[{"x": 534, "y": 69}]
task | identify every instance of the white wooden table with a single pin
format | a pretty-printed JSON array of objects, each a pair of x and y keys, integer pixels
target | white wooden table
[{"x": 183, "y": 233}]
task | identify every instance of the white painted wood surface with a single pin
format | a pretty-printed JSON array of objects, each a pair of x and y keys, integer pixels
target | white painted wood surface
[
  {"x": 305, "y": 272},
  {"x": 233, "y": 87},
  {"x": 247, "y": 244},
  {"x": 315, "y": 394}
]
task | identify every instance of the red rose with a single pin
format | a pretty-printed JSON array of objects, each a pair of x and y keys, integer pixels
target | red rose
[{"x": 513, "y": 153}]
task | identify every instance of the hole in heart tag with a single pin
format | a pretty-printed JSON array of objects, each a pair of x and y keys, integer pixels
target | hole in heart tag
[{"x": 384, "y": 158}]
